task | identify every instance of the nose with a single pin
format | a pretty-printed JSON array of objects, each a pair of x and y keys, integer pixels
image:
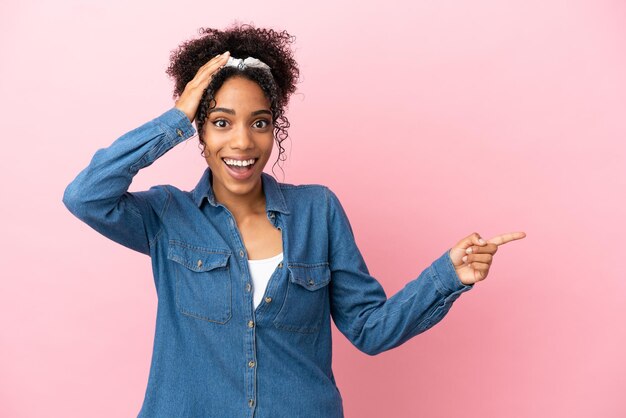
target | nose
[{"x": 242, "y": 138}]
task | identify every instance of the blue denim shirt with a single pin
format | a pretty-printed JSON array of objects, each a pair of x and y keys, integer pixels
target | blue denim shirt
[{"x": 214, "y": 355}]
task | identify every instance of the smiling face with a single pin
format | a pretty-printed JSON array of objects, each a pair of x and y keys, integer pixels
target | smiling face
[{"x": 237, "y": 130}]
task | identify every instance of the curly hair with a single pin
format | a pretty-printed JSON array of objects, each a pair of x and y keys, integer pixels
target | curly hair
[{"x": 243, "y": 40}]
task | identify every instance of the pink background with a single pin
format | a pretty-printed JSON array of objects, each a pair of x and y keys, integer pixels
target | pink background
[{"x": 430, "y": 120}]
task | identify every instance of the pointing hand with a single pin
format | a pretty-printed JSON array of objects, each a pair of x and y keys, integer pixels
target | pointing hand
[{"x": 472, "y": 256}]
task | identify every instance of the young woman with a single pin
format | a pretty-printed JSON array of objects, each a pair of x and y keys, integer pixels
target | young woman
[{"x": 249, "y": 271}]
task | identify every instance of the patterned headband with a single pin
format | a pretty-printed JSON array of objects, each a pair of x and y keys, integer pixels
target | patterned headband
[{"x": 248, "y": 62}]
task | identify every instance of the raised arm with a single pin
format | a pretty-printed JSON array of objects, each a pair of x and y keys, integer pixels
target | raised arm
[
  {"x": 99, "y": 195},
  {"x": 359, "y": 305}
]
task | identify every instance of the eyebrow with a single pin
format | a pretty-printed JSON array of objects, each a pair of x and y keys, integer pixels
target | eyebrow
[{"x": 232, "y": 111}]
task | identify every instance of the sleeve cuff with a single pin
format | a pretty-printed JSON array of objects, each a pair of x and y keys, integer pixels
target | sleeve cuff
[
  {"x": 445, "y": 277},
  {"x": 175, "y": 124}
]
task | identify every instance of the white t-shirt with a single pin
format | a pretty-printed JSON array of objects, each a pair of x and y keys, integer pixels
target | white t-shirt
[{"x": 261, "y": 270}]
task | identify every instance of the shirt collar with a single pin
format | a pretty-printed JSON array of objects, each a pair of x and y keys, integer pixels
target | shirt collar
[{"x": 274, "y": 199}]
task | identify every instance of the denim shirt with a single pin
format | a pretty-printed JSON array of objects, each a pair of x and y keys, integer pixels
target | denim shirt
[{"x": 214, "y": 355}]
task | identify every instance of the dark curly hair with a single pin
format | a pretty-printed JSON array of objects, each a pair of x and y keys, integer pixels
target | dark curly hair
[{"x": 243, "y": 40}]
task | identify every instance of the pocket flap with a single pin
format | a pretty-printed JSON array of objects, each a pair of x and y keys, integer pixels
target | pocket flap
[
  {"x": 197, "y": 258},
  {"x": 309, "y": 276}
]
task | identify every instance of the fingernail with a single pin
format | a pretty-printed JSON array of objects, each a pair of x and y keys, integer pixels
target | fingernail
[
  {"x": 468, "y": 251},
  {"x": 481, "y": 241},
  {"x": 464, "y": 258}
]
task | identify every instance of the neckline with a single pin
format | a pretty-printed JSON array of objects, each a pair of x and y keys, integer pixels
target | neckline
[{"x": 267, "y": 260}]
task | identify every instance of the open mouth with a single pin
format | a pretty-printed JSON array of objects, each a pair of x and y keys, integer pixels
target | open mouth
[{"x": 240, "y": 171}]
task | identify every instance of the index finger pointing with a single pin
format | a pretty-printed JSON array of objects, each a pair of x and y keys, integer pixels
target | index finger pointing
[{"x": 504, "y": 238}]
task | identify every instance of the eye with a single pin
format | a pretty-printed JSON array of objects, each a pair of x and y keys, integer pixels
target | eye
[
  {"x": 215, "y": 122},
  {"x": 264, "y": 121}
]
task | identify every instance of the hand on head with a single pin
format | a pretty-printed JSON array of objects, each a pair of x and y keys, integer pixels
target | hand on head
[{"x": 189, "y": 100}]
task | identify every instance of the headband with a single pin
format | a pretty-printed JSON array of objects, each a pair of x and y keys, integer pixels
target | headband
[{"x": 248, "y": 62}]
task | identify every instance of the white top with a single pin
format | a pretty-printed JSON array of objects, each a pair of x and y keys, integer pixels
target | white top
[{"x": 261, "y": 270}]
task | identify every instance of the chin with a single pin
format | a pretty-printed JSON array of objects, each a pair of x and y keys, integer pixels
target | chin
[{"x": 239, "y": 186}]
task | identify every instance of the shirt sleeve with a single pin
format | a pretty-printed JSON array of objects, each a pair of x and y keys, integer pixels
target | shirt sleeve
[
  {"x": 359, "y": 305},
  {"x": 99, "y": 195}
]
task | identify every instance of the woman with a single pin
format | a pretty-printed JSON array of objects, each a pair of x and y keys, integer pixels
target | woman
[{"x": 249, "y": 271}]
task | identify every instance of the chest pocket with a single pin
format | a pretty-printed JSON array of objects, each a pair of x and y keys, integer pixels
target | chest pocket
[
  {"x": 203, "y": 282},
  {"x": 306, "y": 298}
]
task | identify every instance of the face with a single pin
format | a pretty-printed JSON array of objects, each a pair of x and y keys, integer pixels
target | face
[{"x": 237, "y": 130}]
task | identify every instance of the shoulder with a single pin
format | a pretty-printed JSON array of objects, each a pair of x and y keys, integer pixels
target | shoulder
[
  {"x": 316, "y": 199},
  {"x": 312, "y": 192},
  {"x": 157, "y": 197},
  {"x": 299, "y": 191}
]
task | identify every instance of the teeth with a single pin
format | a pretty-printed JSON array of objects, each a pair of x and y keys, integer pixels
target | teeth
[{"x": 240, "y": 163}]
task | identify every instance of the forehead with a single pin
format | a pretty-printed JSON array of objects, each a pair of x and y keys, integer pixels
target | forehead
[{"x": 241, "y": 93}]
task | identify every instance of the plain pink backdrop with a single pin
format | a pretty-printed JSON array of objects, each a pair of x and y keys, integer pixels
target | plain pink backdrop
[{"x": 430, "y": 119}]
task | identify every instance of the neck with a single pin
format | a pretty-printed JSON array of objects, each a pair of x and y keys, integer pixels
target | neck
[{"x": 242, "y": 206}]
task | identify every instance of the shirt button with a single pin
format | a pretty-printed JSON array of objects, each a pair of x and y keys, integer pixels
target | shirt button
[
  {"x": 241, "y": 253},
  {"x": 199, "y": 263},
  {"x": 311, "y": 282},
  {"x": 272, "y": 215},
  {"x": 280, "y": 264},
  {"x": 268, "y": 299},
  {"x": 251, "y": 363},
  {"x": 250, "y": 324},
  {"x": 248, "y": 287},
  {"x": 251, "y": 402},
  {"x": 179, "y": 132}
]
